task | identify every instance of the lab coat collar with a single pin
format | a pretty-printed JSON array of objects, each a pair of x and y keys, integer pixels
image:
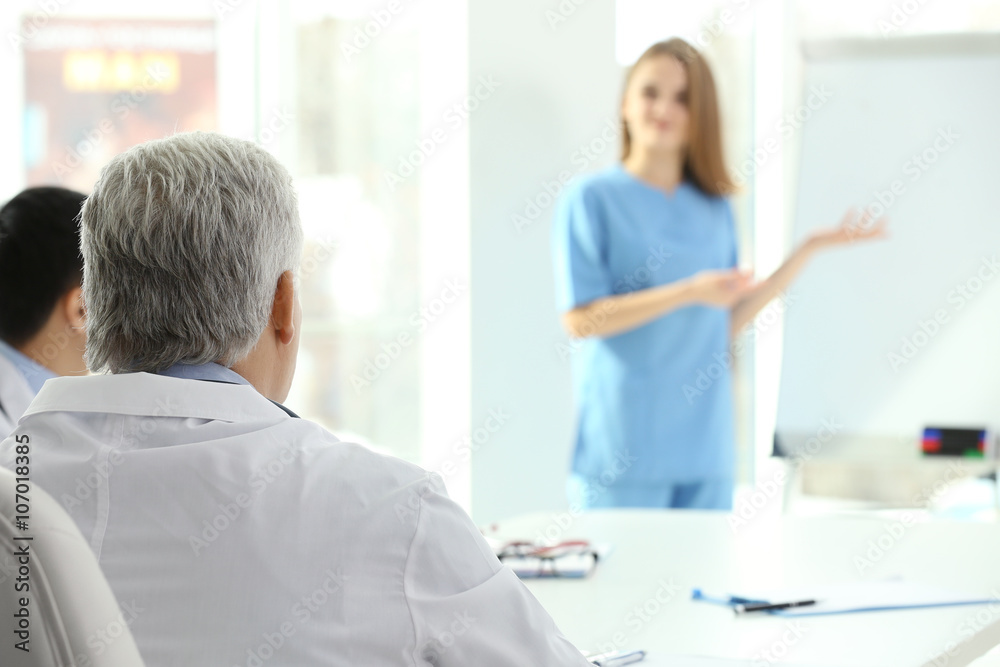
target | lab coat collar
[
  {"x": 146, "y": 394},
  {"x": 212, "y": 372}
]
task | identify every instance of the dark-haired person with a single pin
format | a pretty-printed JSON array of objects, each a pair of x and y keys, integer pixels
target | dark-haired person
[
  {"x": 646, "y": 271},
  {"x": 41, "y": 313}
]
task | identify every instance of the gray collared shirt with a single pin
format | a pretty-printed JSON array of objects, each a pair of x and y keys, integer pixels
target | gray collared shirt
[{"x": 210, "y": 371}]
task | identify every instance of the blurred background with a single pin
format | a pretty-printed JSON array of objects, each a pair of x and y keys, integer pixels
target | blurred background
[{"x": 428, "y": 141}]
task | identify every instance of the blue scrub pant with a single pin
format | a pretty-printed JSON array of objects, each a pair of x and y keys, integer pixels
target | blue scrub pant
[{"x": 707, "y": 494}]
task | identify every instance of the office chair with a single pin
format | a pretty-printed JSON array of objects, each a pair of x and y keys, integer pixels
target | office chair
[{"x": 72, "y": 616}]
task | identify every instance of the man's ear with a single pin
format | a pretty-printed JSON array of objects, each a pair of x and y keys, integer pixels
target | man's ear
[
  {"x": 283, "y": 310},
  {"x": 73, "y": 310}
]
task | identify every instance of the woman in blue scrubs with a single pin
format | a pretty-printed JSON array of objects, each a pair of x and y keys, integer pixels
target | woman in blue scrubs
[{"x": 646, "y": 272}]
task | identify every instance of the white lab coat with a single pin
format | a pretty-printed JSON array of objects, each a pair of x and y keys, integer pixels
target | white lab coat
[
  {"x": 15, "y": 395},
  {"x": 234, "y": 534}
]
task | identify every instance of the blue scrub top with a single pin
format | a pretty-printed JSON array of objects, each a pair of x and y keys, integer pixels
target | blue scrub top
[{"x": 655, "y": 404}]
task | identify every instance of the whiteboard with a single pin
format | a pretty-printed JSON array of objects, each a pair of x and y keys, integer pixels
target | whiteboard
[{"x": 886, "y": 338}]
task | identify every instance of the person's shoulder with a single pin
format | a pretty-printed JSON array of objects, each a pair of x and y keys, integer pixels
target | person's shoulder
[
  {"x": 354, "y": 459},
  {"x": 589, "y": 193},
  {"x": 380, "y": 489},
  {"x": 369, "y": 473},
  {"x": 600, "y": 181}
]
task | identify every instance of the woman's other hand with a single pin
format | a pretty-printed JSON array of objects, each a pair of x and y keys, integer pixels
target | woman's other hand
[{"x": 722, "y": 288}]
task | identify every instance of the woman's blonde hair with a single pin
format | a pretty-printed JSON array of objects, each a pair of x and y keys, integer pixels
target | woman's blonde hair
[{"x": 703, "y": 164}]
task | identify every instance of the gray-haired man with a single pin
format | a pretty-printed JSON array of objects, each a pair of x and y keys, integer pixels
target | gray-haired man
[{"x": 237, "y": 532}]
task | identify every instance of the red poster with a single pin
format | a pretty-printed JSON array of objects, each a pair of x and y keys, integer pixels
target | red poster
[{"x": 95, "y": 87}]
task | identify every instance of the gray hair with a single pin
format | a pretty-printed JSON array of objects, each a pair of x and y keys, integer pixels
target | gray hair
[{"x": 183, "y": 242}]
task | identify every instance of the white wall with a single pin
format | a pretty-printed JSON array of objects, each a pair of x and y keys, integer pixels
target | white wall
[{"x": 558, "y": 85}]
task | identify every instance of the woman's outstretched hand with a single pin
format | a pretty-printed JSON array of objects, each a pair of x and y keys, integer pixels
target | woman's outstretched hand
[{"x": 854, "y": 227}]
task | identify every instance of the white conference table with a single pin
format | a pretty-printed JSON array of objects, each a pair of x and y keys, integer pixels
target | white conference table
[{"x": 692, "y": 549}]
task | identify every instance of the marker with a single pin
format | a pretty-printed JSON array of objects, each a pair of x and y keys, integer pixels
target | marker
[{"x": 744, "y": 608}]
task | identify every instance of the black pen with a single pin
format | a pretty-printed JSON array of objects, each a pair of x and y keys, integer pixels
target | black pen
[{"x": 767, "y": 606}]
